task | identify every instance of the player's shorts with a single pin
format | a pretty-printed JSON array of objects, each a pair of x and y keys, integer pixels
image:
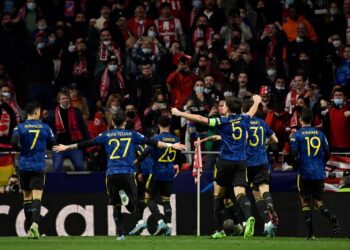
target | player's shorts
[
  {"x": 32, "y": 180},
  {"x": 230, "y": 173},
  {"x": 258, "y": 175},
  {"x": 310, "y": 189},
  {"x": 155, "y": 187},
  {"x": 117, "y": 182}
]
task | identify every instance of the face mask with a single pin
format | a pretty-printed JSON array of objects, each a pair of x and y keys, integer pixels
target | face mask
[
  {"x": 196, "y": 4},
  {"x": 280, "y": 87},
  {"x": 336, "y": 43},
  {"x": 228, "y": 93},
  {"x": 31, "y": 6},
  {"x": 202, "y": 26},
  {"x": 131, "y": 114},
  {"x": 271, "y": 72},
  {"x": 146, "y": 50},
  {"x": 338, "y": 102},
  {"x": 114, "y": 109},
  {"x": 199, "y": 90},
  {"x": 207, "y": 90},
  {"x": 151, "y": 33},
  {"x": 112, "y": 67},
  {"x": 299, "y": 40},
  {"x": 71, "y": 48},
  {"x": 6, "y": 94},
  {"x": 42, "y": 26},
  {"x": 41, "y": 45},
  {"x": 106, "y": 43}
]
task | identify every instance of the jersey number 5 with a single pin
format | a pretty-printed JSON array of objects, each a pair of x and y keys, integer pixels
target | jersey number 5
[
  {"x": 313, "y": 142},
  {"x": 36, "y": 133},
  {"x": 238, "y": 129},
  {"x": 113, "y": 155}
]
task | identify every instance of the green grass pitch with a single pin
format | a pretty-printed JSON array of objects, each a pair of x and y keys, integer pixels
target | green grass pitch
[{"x": 169, "y": 243}]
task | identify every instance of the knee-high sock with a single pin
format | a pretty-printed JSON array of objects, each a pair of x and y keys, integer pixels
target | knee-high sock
[
  {"x": 218, "y": 212},
  {"x": 139, "y": 210},
  {"x": 27, "y": 207},
  {"x": 268, "y": 198},
  {"x": 244, "y": 203},
  {"x": 36, "y": 207},
  {"x": 118, "y": 219},
  {"x": 232, "y": 210},
  {"x": 152, "y": 205},
  {"x": 324, "y": 211},
  {"x": 307, "y": 213},
  {"x": 167, "y": 210},
  {"x": 262, "y": 208}
]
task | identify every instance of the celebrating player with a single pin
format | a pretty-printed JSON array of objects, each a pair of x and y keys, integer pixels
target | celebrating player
[
  {"x": 119, "y": 144},
  {"x": 310, "y": 147},
  {"x": 231, "y": 165},
  {"x": 33, "y": 137}
]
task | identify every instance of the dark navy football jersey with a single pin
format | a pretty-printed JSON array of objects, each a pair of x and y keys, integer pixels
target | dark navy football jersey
[
  {"x": 233, "y": 132},
  {"x": 120, "y": 146},
  {"x": 33, "y": 136},
  {"x": 164, "y": 158},
  {"x": 258, "y": 133},
  {"x": 311, "y": 145}
]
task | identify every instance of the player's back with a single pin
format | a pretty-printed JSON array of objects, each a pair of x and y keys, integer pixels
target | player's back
[
  {"x": 311, "y": 145},
  {"x": 120, "y": 149},
  {"x": 33, "y": 136},
  {"x": 233, "y": 130},
  {"x": 258, "y": 132},
  {"x": 164, "y": 158}
]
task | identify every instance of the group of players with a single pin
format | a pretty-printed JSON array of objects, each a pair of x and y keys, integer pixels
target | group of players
[{"x": 242, "y": 160}]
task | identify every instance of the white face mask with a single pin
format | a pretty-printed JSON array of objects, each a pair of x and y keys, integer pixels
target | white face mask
[
  {"x": 112, "y": 67},
  {"x": 71, "y": 48},
  {"x": 336, "y": 43},
  {"x": 31, "y": 6},
  {"x": 278, "y": 87},
  {"x": 151, "y": 33},
  {"x": 146, "y": 50},
  {"x": 299, "y": 40},
  {"x": 199, "y": 90},
  {"x": 42, "y": 26},
  {"x": 41, "y": 45},
  {"x": 6, "y": 94},
  {"x": 271, "y": 72},
  {"x": 114, "y": 109},
  {"x": 106, "y": 43}
]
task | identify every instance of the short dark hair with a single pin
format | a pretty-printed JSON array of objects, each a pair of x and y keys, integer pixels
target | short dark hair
[
  {"x": 119, "y": 118},
  {"x": 234, "y": 104},
  {"x": 306, "y": 116},
  {"x": 31, "y": 107},
  {"x": 247, "y": 104},
  {"x": 164, "y": 121}
]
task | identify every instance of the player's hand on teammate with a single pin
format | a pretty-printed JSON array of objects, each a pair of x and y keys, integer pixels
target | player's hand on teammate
[
  {"x": 197, "y": 143},
  {"x": 59, "y": 148},
  {"x": 178, "y": 146}
]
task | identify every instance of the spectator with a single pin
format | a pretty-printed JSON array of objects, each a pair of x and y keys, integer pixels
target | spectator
[
  {"x": 293, "y": 95},
  {"x": 337, "y": 121},
  {"x": 202, "y": 30},
  {"x": 180, "y": 82},
  {"x": 113, "y": 106},
  {"x": 79, "y": 101},
  {"x": 28, "y": 15},
  {"x": 132, "y": 115},
  {"x": 102, "y": 21},
  {"x": 169, "y": 27},
  {"x": 68, "y": 124},
  {"x": 8, "y": 122},
  {"x": 214, "y": 13},
  {"x": 140, "y": 23},
  {"x": 290, "y": 26},
  {"x": 211, "y": 89}
]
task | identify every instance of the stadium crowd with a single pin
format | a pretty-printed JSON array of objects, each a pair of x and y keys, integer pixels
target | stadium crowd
[{"x": 85, "y": 60}]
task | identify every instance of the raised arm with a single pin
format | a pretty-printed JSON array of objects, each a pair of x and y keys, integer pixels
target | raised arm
[
  {"x": 191, "y": 117},
  {"x": 254, "y": 108}
]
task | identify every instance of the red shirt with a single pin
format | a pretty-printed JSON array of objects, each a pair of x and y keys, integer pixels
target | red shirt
[
  {"x": 339, "y": 128},
  {"x": 136, "y": 28},
  {"x": 181, "y": 88}
]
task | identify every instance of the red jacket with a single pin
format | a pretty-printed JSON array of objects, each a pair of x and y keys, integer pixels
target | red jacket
[{"x": 339, "y": 128}]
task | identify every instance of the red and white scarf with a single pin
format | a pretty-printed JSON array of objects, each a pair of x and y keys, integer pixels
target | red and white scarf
[
  {"x": 106, "y": 50},
  {"x": 105, "y": 82},
  {"x": 80, "y": 67}
]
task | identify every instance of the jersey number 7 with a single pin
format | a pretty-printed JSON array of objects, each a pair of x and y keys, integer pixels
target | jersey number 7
[{"x": 36, "y": 133}]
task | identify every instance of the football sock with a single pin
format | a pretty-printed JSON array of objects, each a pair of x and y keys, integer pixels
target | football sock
[
  {"x": 218, "y": 212},
  {"x": 262, "y": 208},
  {"x": 118, "y": 219},
  {"x": 36, "y": 207},
  {"x": 232, "y": 211},
  {"x": 27, "y": 207},
  {"x": 154, "y": 208},
  {"x": 167, "y": 210},
  {"x": 268, "y": 198},
  {"x": 307, "y": 213},
  {"x": 245, "y": 205}
]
